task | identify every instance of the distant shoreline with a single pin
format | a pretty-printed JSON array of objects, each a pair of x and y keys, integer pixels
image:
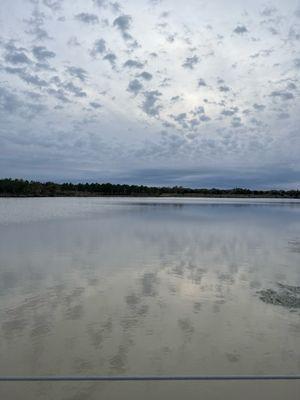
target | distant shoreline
[
  {"x": 163, "y": 196},
  {"x": 23, "y": 188}
]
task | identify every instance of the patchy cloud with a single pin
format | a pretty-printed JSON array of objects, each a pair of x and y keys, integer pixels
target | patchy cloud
[
  {"x": 36, "y": 26},
  {"x": 224, "y": 88},
  {"x": 259, "y": 107},
  {"x": 111, "y": 58},
  {"x": 133, "y": 64},
  {"x": 95, "y": 105},
  {"x": 145, "y": 75},
  {"x": 54, "y": 5},
  {"x": 223, "y": 96},
  {"x": 16, "y": 55},
  {"x": 134, "y": 86},
  {"x": 240, "y": 30},
  {"x": 77, "y": 72},
  {"x": 150, "y": 105},
  {"x": 87, "y": 18},
  {"x": 100, "y": 3},
  {"x": 201, "y": 82},
  {"x": 230, "y": 111},
  {"x": 98, "y": 48},
  {"x": 297, "y": 63},
  {"x": 42, "y": 54},
  {"x": 122, "y": 23},
  {"x": 190, "y": 62},
  {"x": 282, "y": 94}
]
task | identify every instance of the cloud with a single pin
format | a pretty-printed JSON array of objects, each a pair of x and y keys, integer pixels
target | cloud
[
  {"x": 9, "y": 102},
  {"x": 17, "y": 58},
  {"x": 190, "y": 62},
  {"x": 175, "y": 99},
  {"x": 201, "y": 82},
  {"x": 100, "y": 3},
  {"x": 59, "y": 94},
  {"x": 66, "y": 86},
  {"x": 123, "y": 23},
  {"x": 224, "y": 88},
  {"x": 15, "y": 55},
  {"x": 149, "y": 105},
  {"x": 230, "y": 111},
  {"x": 27, "y": 77},
  {"x": 76, "y": 90},
  {"x": 111, "y": 58},
  {"x": 198, "y": 110},
  {"x": 42, "y": 54},
  {"x": 115, "y": 6},
  {"x": 259, "y": 107},
  {"x": 283, "y": 115},
  {"x": 36, "y": 26},
  {"x": 133, "y": 64},
  {"x": 204, "y": 118},
  {"x": 33, "y": 80},
  {"x": 95, "y": 104},
  {"x": 73, "y": 41},
  {"x": 282, "y": 94},
  {"x": 77, "y": 72},
  {"x": 240, "y": 30},
  {"x": 95, "y": 82},
  {"x": 134, "y": 86},
  {"x": 98, "y": 48},
  {"x": 87, "y": 18},
  {"x": 236, "y": 122},
  {"x": 54, "y": 5},
  {"x": 180, "y": 118},
  {"x": 145, "y": 75},
  {"x": 297, "y": 63},
  {"x": 291, "y": 86},
  {"x": 268, "y": 11}
]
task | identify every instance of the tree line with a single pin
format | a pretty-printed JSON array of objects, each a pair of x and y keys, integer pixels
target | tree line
[{"x": 24, "y": 188}]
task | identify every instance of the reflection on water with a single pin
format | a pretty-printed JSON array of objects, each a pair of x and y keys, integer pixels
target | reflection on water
[{"x": 112, "y": 286}]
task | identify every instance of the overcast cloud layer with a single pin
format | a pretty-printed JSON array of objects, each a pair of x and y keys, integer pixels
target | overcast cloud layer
[{"x": 170, "y": 92}]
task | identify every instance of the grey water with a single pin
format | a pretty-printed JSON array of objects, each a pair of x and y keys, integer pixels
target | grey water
[{"x": 98, "y": 286}]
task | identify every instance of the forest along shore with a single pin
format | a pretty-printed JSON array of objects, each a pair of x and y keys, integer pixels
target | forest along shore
[{"x": 25, "y": 188}]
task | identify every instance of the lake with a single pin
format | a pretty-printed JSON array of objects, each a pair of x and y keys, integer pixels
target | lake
[{"x": 98, "y": 286}]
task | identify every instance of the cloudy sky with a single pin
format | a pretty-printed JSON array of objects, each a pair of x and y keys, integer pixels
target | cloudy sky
[{"x": 161, "y": 92}]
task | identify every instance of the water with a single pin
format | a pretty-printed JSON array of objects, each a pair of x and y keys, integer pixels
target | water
[{"x": 147, "y": 286}]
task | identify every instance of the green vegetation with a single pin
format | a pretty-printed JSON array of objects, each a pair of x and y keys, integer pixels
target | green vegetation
[{"x": 24, "y": 188}]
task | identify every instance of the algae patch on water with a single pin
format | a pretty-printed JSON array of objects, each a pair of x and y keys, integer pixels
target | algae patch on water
[{"x": 285, "y": 295}]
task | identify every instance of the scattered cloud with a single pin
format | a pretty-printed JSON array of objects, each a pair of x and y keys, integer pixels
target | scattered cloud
[
  {"x": 190, "y": 62},
  {"x": 282, "y": 94},
  {"x": 134, "y": 86},
  {"x": 240, "y": 30},
  {"x": 87, "y": 18},
  {"x": 145, "y": 75},
  {"x": 201, "y": 82},
  {"x": 133, "y": 64},
  {"x": 123, "y": 23},
  {"x": 142, "y": 83},
  {"x": 98, "y": 48},
  {"x": 95, "y": 105},
  {"x": 259, "y": 107},
  {"x": 224, "y": 88},
  {"x": 77, "y": 72},
  {"x": 42, "y": 54},
  {"x": 111, "y": 58},
  {"x": 149, "y": 105}
]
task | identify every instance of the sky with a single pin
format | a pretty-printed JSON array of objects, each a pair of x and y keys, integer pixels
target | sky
[{"x": 198, "y": 93}]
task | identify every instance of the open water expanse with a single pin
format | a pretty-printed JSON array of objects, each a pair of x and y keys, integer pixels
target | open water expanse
[{"x": 98, "y": 286}]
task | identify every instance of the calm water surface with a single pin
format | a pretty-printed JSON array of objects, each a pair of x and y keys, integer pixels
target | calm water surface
[{"x": 147, "y": 286}]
